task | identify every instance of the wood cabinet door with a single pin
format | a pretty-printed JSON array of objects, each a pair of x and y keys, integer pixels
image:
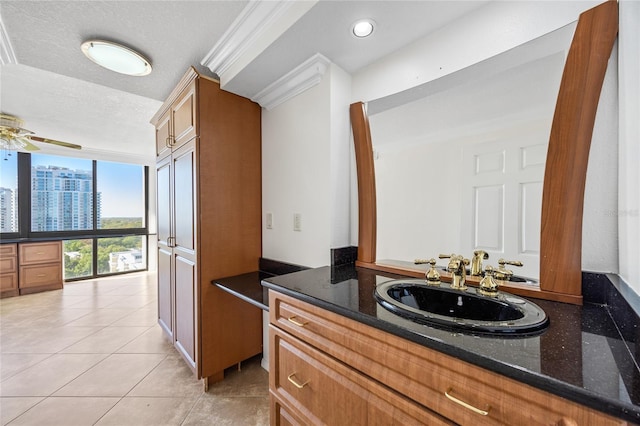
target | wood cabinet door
[
  {"x": 185, "y": 305},
  {"x": 184, "y": 207},
  {"x": 184, "y": 117},
  {"x": 164, "y": 215},
  {"x": 164, "y": 135},
  {"x": 184, "y": 250},
  {"x": 166, "y": 291},
  {"x": 164, "y": 203}
]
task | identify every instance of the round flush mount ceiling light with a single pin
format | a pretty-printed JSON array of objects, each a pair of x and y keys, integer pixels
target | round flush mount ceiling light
[
  {"x": 116, "y": 57},
  {"x": 363, "y": 28}
]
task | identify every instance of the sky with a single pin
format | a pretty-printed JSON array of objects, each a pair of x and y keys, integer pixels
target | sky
[{"x": 121, "y": 185}]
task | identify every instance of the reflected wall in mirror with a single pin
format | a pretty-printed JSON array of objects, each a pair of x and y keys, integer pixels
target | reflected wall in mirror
[{"x": 459, "y": 161}]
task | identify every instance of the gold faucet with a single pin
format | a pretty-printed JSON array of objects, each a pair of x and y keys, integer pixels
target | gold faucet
[
  {"x": 458, "y": 268},
  {"x": 505, "y": 274},
  {"x": 476, "y": 262}
]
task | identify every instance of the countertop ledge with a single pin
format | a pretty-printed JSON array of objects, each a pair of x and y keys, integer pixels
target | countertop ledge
[{"x": 581, "y": 357}]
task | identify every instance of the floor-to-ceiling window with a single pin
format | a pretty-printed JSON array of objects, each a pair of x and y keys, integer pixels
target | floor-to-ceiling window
[
  {"x": 97, "y": 208},
  {"x": 9, "y": 194}
]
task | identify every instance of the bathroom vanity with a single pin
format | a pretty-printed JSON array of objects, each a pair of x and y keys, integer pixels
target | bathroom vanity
[{"x": 339, "y": 357}]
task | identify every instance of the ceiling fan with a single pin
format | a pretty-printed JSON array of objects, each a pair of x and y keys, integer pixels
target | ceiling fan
[{"x": 13, "y": 137}]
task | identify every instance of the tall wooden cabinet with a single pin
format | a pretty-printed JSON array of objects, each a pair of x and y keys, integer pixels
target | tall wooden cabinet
[{"x": 208, "y": 173}]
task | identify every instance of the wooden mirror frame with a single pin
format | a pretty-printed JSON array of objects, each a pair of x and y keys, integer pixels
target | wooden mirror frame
[{"x": 565, "y": 171}]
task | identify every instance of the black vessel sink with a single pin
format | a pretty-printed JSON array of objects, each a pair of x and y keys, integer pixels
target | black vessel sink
[{"x": 461, "y": 310}]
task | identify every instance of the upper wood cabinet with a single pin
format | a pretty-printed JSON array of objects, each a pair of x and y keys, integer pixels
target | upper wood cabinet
[
  {"x": 183, "y": 114},
  {"x": 209, "y": 222},
  {"x": 163, "y": 135},
  {"x": 177, "y": 125}
]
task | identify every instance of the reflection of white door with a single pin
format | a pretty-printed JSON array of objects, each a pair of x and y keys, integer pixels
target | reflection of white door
[{"x": 502, "y": 200}]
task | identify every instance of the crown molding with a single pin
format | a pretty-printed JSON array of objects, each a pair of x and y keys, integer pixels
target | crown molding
[
  {"x": 303, "y": 77},
  {"x": 7, "y": 55},
  {"x": 259, "y": 24}
]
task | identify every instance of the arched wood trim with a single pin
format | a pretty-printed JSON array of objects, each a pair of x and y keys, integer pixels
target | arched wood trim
[
  {"x": 367, "y": 225},
  {"x": 568, "y": 152},
  {"x": 566, "y": 167}
]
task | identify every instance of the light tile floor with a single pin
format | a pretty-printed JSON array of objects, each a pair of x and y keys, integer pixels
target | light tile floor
[{"x": 93, "y": 354}]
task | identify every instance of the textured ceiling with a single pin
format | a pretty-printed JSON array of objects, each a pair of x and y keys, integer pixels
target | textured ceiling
[
  {"x": 172, "y": 34},
  {"x": 62, "y": 95}
]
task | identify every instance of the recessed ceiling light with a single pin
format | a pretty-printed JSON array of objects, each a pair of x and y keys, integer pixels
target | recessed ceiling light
[
  {"x": 363, "y": 28},
  {"x": 116, "y": 57}
]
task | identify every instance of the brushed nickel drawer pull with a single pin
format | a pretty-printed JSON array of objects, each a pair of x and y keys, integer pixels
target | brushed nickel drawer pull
[
  {"x": 296, "y": 322},
  {"x": 466, "y": 405},
  {"x": 295, "y": 383}
]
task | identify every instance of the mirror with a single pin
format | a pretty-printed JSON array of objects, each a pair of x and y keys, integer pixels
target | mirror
[
  {"x": 560, "y": 247},
  {"x": 459, "y": 161}
]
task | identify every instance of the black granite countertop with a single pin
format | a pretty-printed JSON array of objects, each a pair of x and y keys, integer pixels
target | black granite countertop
[
  {"x": 247, "y": 287},
  {"x": 581, "y": 356}
]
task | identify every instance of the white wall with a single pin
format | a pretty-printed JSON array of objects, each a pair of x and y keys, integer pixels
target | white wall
[
  {"x": 628, "y": 211},
  {"x": 599, "y": 221},
  {"x": 305, "y": 166},
  {"x": 340, "y": 163}
]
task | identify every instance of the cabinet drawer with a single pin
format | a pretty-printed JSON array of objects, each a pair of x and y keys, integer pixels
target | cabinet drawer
[
  {"x": 435, "y": 380},
  {"x": 8, "y": 264},
  {"x": 323, "y": 391},
  {"x": 8, "y": 250},
  {"x": 40, "y": 275},
  {"x": 279, "y": 415},
  {"x": 34, "y": 253},
  {"x": 9, "y": 282}
]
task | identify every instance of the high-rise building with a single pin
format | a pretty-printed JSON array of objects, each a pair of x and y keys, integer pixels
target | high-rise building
[
  {"x": 62, "y": 199},
  {"x": 7, "y": 210}
]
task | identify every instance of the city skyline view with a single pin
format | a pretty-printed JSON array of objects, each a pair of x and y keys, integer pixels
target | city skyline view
[
  {"x": 120, "y": 192},
  {"x": 65, "y": 195}
]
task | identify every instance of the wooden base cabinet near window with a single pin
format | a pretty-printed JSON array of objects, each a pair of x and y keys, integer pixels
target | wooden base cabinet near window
[
  {"x": 328, "y": 369},
  {"x": 27, "y": 268},
  {"x": 208, "y": 213}
]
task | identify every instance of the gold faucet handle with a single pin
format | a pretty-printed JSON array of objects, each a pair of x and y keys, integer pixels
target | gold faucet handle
[
  {"x": 446, "y": 256},
  {"x": 503, "y": 262},
  {"x": 422, "y": 261},
  {"x": 432, "y": 275},
  {"x": 488, "y": 285}
]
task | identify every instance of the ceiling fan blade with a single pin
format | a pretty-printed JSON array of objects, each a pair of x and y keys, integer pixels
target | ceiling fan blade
[
  {"x": 55, "y": 142},
  {"x": 30, "y": 147}
]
